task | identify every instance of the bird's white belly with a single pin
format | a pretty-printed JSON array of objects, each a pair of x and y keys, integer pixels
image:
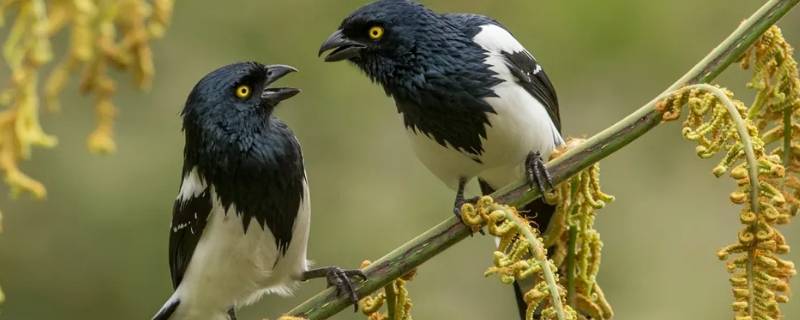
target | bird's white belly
[
  {"x": 228, "y": 263},
  {"x": 520, "y": 125},
  {"x": 447, "y": 164}
]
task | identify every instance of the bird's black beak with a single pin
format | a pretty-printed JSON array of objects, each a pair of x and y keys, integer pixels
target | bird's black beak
[
  {"x": 273, "y": 96},
  {"x": 343, "y": 48}
]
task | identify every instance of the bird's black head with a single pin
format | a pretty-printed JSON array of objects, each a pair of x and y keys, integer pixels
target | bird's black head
[
  {"x": 405, "y": 47},
  {"x": 229, "y": 112},
  {"x": 388, "y": 37},
  {"x": 238, "y": 91}
]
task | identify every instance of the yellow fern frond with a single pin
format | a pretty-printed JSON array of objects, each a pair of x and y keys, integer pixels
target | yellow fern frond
[
  {"x": 394, "y": 296},
  {"x": 766, "y": 175},
  {"x": 520, "y": 255}
]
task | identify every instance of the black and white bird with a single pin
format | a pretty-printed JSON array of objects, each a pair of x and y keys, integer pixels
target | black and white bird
[
  {"x": 240, "y": 223},
  {"x": 474, "y": 101}
]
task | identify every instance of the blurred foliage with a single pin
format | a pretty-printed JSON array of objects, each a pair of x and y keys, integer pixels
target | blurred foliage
[
  {"x": 103, "y": 34},
  {"x": 98, "y": 245},
  {"x": 765, "y": 168}
]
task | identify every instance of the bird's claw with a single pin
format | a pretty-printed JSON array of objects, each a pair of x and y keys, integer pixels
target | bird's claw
[
  {"x": 339, "y": 278},
  {"x": 537, "y": 173},
  {"x": 342, "y": 281}
]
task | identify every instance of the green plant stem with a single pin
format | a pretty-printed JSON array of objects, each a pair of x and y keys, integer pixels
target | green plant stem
[
  {"x": 538, "y": 252},
  {"x": 449, "y": 232},
  {"x": 572, "y": 242},
  {"x": 391, "y": 301},
  {"x": 787, "y": 137}
]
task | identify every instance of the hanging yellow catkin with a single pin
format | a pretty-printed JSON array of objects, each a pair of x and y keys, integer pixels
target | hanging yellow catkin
[
  {"x": 102, "y": 34},
  {"x": 577, "y": 201}
]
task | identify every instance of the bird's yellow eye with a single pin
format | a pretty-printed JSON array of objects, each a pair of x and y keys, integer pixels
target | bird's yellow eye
[
  {"x": 376, "y": 33},
  {"x": 243, "y": 92}
]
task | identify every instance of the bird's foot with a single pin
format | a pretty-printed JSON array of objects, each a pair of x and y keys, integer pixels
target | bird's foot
[
  {"x": 462, "y": 183},
  {"x": 339, "y": 278},
  {"x": 537, "y": 173},
  {"x": 457, "y": 206}
]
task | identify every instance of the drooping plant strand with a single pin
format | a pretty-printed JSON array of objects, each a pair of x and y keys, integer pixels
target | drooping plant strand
[
  {"x": 520, "y": 255},
  {"x": 766, "y": 174}
]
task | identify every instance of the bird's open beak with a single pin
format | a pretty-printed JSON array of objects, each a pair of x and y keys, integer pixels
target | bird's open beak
[
  {"x": 273, "y": 96},
  {"x": 343, "y": 48}
]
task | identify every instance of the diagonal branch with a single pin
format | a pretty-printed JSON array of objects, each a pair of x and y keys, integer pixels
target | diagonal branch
[{"x": 451, "y": 231}]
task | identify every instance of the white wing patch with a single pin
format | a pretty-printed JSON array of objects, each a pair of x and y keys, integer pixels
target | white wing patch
[
  {"x": 192, "y": 185},
  {"x": 496, "y": 39}
]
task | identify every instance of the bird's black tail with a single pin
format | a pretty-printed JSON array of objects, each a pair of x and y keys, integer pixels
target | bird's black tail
[
  {"x": 540, "y": 213},
  {"x": 167, "y": 310}
]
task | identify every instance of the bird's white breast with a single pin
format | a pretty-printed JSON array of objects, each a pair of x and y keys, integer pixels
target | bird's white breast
[
  {"x": 519, "y": 126},
  {"x": 230, "y": 267}
]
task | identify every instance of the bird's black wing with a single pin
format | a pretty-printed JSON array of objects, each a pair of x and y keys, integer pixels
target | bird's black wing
[
  {"x": 532, "y": 77},
  {"x": 189, "y": 219}
]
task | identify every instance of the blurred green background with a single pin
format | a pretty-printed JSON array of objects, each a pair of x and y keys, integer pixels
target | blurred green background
[{"x": 97, "y": 248}]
